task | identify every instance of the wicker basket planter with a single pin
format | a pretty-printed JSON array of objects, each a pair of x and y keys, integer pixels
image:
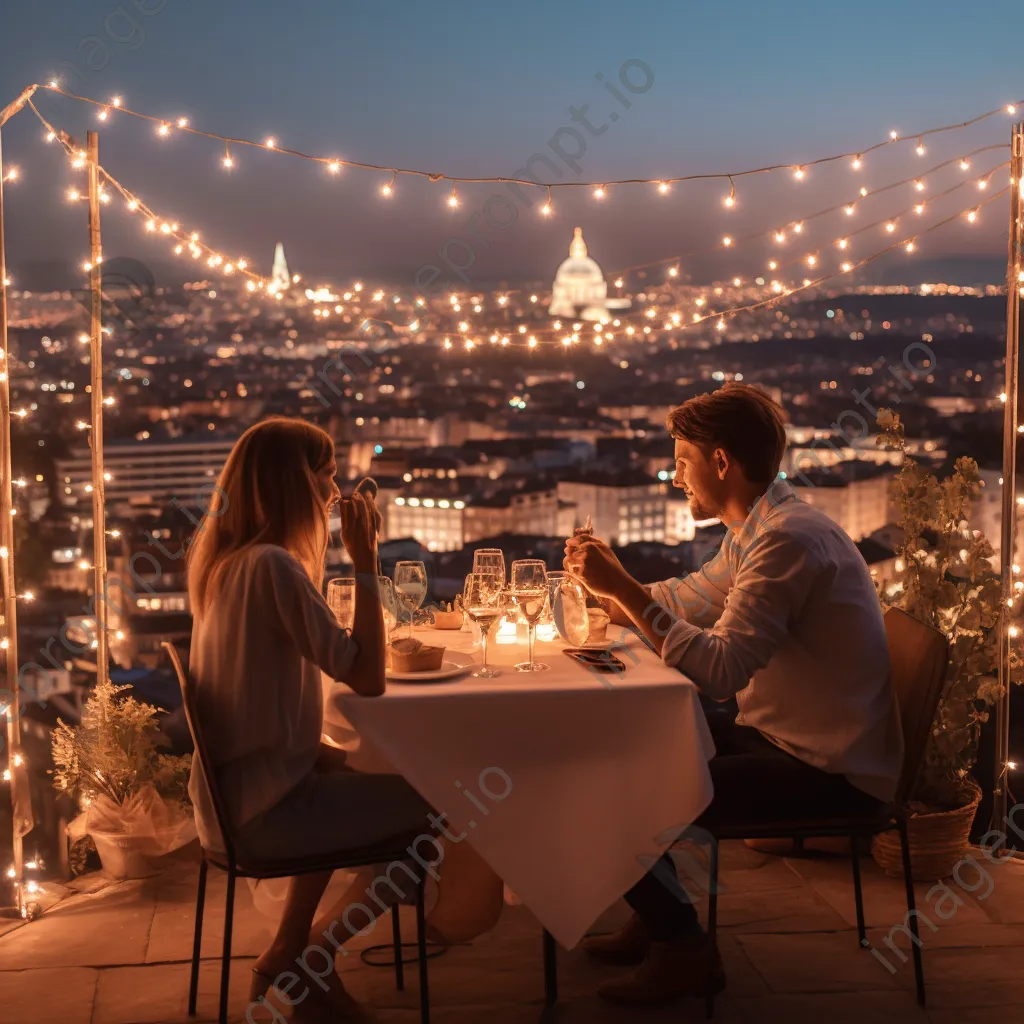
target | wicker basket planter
[{"x": 938, "y": 840}]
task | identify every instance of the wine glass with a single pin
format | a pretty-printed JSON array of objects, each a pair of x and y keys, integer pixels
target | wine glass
[
  {"x": 388, "y": 604},
  {"x": 410, "y": 587},
  {"x": 529, "y": 591},
  {"x": 489, "y": 560},
  {"x": 481, "y": 598},
  {"x": 341, "y": 599}
]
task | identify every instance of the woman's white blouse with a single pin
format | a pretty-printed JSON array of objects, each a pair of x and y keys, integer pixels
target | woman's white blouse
[{"x": 255, "y": 664}]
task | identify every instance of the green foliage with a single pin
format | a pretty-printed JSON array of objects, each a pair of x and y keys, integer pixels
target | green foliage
[
  {"x": 114, "y": 751},
  {"x": 948, "y": 581}
]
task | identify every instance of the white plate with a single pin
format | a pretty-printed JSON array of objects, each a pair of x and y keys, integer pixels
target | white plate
[{"x": 448, "y": 670}]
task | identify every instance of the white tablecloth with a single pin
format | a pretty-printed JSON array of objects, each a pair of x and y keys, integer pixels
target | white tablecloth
[{"x": 566, "y": 782}]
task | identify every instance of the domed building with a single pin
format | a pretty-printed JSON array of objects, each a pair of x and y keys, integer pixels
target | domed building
[{"x": 580, "y": 290}]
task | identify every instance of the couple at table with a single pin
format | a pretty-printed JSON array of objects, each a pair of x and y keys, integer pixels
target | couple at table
[{"x": 784, "y": 618}]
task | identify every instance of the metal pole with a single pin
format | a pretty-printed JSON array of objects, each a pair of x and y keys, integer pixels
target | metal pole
[
  {"x": 99, "y": 521},
  {"x": 1011, "y": 418},
  {"x": 18, "y": 771}
]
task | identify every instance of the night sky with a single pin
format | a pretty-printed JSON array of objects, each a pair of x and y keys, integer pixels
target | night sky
[{"x": 473, "y": 87}]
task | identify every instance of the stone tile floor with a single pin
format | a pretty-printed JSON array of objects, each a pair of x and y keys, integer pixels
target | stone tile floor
[{"x": 119, "y": 954}]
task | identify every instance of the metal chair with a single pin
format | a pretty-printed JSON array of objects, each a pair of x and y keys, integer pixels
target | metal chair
[
  {"x": 919, "y": 656},
  {"x": 396, "y": 849}
]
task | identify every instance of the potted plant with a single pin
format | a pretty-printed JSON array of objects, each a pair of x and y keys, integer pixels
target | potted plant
[
  {"x": 947, "y": 581},
  {"x": 133, "y": 797}
]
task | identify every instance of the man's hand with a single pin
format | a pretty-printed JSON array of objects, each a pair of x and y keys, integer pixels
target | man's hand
[{"x": 594, "y": 562}]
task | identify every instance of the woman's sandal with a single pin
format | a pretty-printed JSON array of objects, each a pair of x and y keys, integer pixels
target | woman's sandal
[{"x": 318, "y": 1007}]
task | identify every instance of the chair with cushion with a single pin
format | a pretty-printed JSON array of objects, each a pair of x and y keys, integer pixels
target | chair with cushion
[
  {"x": 396, "y": 849},
  {"x": 919, "y": 656}
]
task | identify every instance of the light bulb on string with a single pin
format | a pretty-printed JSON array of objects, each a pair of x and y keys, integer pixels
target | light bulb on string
[
  {"x": 920, "y": 147},
  {"x": 847, "y": 267},
  {"x": 1011, "y": 109},
  {"x": 890, "y": 226},
  {"x": 919, "y": 209},
  {"x": 843, "y": 243},
  {"x": 910, "y": 246},
  {"x": 547, "y": 209},
  {"x": 730, "y": 200},
  {"x": 850, "y": 209},
  {"x": 727, "y": 241},
  {"x": 115, "y": 101},
  {"x": 103, "y": 114},
  {"x": 780, "y": 237},
  {"x": 271, "y": 143},
  {"x": 858, "y": 163},
  {"x": 453, "y": 199},
  {"x": 919, "y": 185},
  {"x": 863, "y": 191},
  {"x": 334, "y": 166},
  {"x": 182, "y": 122},
  {"x": 388, "y": 189},
  {"x": 663, "y": 188},
  {"x": 799, "y": 173},
  {"x": 982, "y": 184},
  {"x": 972, "y": 216},
  {"x": 798, "y": 227},
  {"x": 673, "y": 271},
  {"x": 894, "y": 135},
  {"x": 599, "y": 192},
  {"x": 228, "y": 162},
  {"x": 163, "y": 129},
  {"x": 965, "y": 164}
]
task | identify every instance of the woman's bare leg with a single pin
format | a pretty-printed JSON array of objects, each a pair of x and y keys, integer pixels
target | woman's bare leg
[
  {"x": 304, "y": 894},
  {"x": 469, "y": 896}
]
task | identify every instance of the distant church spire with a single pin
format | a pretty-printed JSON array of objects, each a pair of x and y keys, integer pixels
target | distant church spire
[
  {"x": 280, "y": 277},
  {"x": 578, "y": 248}
]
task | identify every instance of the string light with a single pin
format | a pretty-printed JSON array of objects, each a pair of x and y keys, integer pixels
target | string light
[
  {"x": 271, "y": 143},
  {"x": 964, "y": 164},
  {"x": 228, "y": 161},
  {"x": 182, "y": 122},
  {"x": 664, "y": 188},
  {"x": 858, "y": 163},
  {"x": 453, "y": 199},
  {"x": 547, "y": 209},
  {"x": 599, "y": 192},
  {"x": 919, "y": 208},
  {"x": 799, "y": 170},
  {"x": 920, "y": 147},
  {"x": 919, "y": 185},
  {"x": 388, "y": 190}
]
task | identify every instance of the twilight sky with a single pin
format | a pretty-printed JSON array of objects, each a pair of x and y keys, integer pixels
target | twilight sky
[{"x": 474, "y": 87}]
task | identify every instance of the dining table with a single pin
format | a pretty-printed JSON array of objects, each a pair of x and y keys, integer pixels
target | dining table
[{"x": 570, "y": 783}]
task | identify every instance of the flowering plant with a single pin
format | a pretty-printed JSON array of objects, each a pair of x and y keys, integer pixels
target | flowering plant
[
  {"x": 113, "y": 751},
  {"x": 948, "y": 582}
]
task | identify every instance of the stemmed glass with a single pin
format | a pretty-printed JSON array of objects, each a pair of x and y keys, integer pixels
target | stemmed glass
[
  {"x": 489, "y": 560},
  {"x": 482, "y": 599},
  {"x": 341, "y": 596},
  {"x": 388, "y": 604},
  {"x": 529, "y": 592},
  {"x": 410, "y": 587}
]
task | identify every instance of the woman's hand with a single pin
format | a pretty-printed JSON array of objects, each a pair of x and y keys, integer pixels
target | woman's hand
[{"x": 359, "y": 524}]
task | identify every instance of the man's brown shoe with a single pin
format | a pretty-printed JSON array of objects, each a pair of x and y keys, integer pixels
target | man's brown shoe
[
  {"x": 628, "y": 946},
  {"x": 687, "y": 967}
]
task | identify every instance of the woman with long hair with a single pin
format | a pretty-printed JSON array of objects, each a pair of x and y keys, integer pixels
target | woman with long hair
[{"x": 262, "y": 635}]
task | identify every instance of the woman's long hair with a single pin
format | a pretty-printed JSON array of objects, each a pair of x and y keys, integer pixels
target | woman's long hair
[{"x": 267, "y": 493}]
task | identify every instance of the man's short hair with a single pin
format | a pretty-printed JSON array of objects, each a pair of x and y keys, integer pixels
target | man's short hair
[{"x": 741, "y": 419}]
